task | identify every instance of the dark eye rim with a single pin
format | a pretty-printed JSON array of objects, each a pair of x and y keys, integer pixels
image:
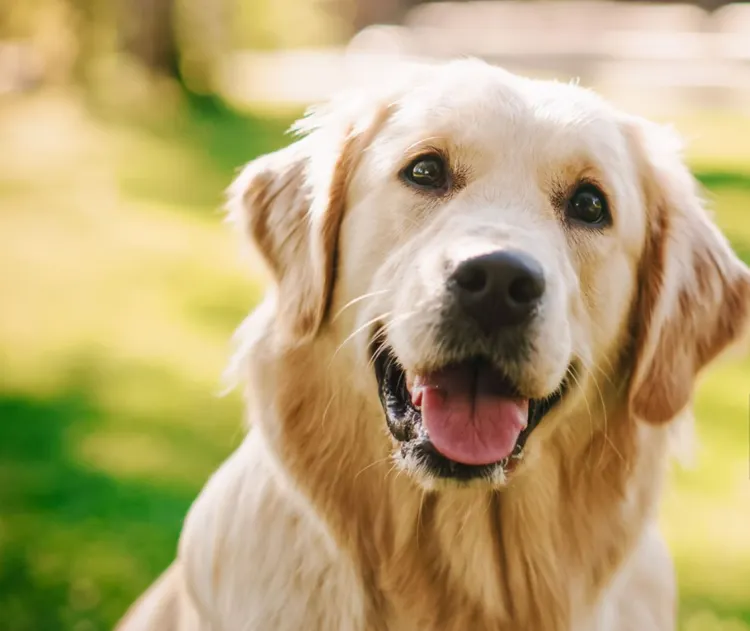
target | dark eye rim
[
  {"x": 586, "y": 186},
  {"x": 404, "y": 173}
]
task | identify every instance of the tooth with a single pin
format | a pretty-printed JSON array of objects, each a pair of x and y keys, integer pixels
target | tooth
[{"x": 416, "y": 397}]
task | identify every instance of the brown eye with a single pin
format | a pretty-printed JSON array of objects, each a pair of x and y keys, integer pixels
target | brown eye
[
  {"x": 588, "y": 205},
  {"x": 427, "y": 172}
]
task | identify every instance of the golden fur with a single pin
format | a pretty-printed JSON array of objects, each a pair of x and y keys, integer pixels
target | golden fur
[{"x": 311, "y": 524}]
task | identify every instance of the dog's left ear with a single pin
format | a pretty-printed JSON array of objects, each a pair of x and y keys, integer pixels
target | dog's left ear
[
  {"x": 694, "y": 292},
  {"x": 291, "y": 203}
]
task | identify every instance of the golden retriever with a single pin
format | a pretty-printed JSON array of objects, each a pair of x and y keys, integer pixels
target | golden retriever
[{"x": 492, "y": 298}]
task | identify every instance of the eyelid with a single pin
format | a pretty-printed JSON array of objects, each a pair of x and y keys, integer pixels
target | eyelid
[
  {"x": 592, "y": 182},
  {"x": 421, "y": 152},
  {"x": 563, "y": 193}
]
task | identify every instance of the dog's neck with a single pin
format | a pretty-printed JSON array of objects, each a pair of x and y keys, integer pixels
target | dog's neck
[{"x": 532, "y": 556}]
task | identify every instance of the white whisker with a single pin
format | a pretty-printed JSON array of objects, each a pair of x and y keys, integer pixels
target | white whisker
[
  {"x": 586, "y": 402},
  {"x": 424, "y": 142},
  {"x": 372, "y": 464},
  {"x": 399, "y": 318},
  {"x": 419, "y": 515},
  {"x": 327, "y": 408},
  {"x": 358, "y": 299},
  {"x": 357, "y": 331}
]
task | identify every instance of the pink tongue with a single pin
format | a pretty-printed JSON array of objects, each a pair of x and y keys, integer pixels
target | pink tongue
[{"x": 466, "y": 418}]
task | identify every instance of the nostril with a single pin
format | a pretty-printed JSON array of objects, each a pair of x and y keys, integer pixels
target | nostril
[
  {"x": 498, "y": 289},
  {"x": 471, "y": 278},
  {"x": 526, "y": 289}
]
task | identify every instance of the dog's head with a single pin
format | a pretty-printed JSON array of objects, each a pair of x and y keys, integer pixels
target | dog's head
[{"x": 485, "y": 252}]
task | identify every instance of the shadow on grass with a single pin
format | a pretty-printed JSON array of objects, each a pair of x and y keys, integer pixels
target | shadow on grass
[
  {"x": 741, "y": 247},
  {"x": 698, "y": 614},
  {"x": 78, "y": 545},
  {"x": 724, "y": 179},
  {"x": 231, "y": 138}
]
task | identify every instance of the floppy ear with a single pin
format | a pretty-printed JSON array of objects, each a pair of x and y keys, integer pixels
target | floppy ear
[
  {"x": 694, "y": 293},
  {"x": 291, "y": 203}
]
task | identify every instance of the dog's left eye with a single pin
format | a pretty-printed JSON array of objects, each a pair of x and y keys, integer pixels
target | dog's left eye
[
  {"x": 589, "y": 205},
  {"x": 427, "y": 172}
]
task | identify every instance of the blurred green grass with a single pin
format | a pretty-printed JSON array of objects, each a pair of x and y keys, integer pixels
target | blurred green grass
[{"x": 120, "y": 290}]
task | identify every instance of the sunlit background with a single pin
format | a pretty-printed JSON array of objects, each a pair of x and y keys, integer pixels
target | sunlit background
[{"x": 122, "y": 121}]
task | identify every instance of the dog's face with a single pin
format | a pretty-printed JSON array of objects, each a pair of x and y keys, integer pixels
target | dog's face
[
  {"x": 485, "y": 249},
  {"x": 495, "y": 223}
]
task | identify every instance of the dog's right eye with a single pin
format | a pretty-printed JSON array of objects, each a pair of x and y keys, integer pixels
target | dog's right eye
[{"x": 427, "y": 172}]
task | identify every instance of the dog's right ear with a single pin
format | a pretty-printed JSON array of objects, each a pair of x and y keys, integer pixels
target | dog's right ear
[
  {"x": 291, "y": 203},
  {"x": 271, "y": 200}
]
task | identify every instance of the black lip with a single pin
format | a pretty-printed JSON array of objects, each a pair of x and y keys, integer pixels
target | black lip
[{"x": 405, "y": 420}]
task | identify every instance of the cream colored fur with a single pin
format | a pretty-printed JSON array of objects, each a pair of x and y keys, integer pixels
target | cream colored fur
[{"x": 313, "y": 523}]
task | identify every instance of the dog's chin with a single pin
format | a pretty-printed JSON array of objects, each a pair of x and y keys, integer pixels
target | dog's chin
[{"x": 466, "y": 423}]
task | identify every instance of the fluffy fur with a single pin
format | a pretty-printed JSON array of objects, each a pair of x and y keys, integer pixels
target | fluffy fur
[{"x": 312, "y": 523}]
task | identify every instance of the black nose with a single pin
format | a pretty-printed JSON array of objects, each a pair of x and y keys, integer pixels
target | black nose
[{"x": 498, "y": 289}]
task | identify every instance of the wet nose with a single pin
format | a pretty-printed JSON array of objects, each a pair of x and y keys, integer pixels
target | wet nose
[{"x": 499, "y": 289}]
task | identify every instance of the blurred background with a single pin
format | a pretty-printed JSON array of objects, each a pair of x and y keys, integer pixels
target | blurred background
[{"x": 121, "y": 123}]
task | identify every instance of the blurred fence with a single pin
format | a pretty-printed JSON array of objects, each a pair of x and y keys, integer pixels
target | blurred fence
[{"x": 650, "y": 57}]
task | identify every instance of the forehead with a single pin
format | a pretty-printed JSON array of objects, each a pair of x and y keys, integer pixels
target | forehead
[{"x": 486, "y": 111}]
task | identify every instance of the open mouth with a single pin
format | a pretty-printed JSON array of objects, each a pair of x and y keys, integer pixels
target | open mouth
[{"x": 463, "y": 421}]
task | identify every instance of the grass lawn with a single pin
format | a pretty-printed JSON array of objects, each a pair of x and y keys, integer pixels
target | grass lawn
[{"x": 120, "y": 289}]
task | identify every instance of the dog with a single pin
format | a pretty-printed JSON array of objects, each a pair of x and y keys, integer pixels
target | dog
[{"x": 491, "y": 299}]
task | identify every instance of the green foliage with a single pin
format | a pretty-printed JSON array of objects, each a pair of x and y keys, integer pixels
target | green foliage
[{"x": 120, "y": 290}]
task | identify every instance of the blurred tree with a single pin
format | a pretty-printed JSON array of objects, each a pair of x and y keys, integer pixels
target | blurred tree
[
  {"x": 201, "y": 34},
  {"x": 93, "y": 22},
  {"x": 359, "y": 14},
  {"x": 184, "y": 40},
  {"x": 44, "y": 36},
  {"x": 146, "y": 31},
  {"x": 368, "y": 12},
  {"x": 177, "y": 39},
  {"x": 706, "y": 5},
  {"x": 273, "y": 24}
]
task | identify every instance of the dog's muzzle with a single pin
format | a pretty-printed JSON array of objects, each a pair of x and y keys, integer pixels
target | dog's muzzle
[{"x": 466, "y": 418}]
